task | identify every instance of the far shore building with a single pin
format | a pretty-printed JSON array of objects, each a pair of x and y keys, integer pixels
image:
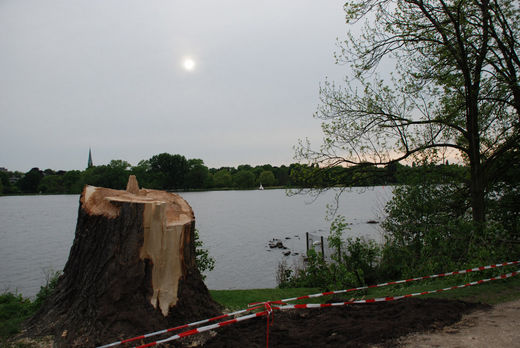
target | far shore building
[{"x": 89, "y": 164}]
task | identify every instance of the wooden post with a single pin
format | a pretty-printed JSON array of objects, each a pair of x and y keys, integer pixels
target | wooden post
[{"x": 322, "y": 249}]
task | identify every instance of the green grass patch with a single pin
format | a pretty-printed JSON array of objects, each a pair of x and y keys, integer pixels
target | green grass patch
[
  {"x": 239, "y": 299},
  {"x": 493, "y": 292}
]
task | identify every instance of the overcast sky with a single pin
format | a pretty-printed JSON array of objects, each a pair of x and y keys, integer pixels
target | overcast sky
[{"x": 110, "y": 75}]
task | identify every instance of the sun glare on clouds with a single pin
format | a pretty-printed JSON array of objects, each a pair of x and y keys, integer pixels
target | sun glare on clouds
[{"x": 188, "y": 64}]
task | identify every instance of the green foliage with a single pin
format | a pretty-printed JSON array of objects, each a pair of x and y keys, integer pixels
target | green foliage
[
  {"x": 51, "y": 184},
  {"x": 362, "y": 258},
  {"x": 198, "y": 175},
  {"x": 282, "y": 175},
  {"x": 266, "y": 178},
  {"x": 170, "y": 170},
  {"x": 504, "y": 210},
  {"x": 115, "y": 177},
  {"x": 119, "y": 165},
  {"x": 437, "y": 100},
  {"x": 4, "y": 179},
  {"x": 430, "y": 229},
  {"x": 244, "y": 178},
  {"x": 354, "y": 264},
  {"x": 142, "y": 172},
  {"x": 205, "y": 263},
  {"x": 335, "y": 238},
  {"x": 30, "y": 181},
  {"x": 426, "y": 229},
  {"x": 504, "y": 197},
  {"x": 47, "y": 289},
  {"x": 15, "y": 309},
  {"x": 366, "y": 174},
  {"x": 315, "y": 273},
  {"x": 72, "y": 182},
  {"x": 222, "y": 179}
]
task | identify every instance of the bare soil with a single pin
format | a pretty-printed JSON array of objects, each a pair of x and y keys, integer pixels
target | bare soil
[
  {"x": 497, "y": 327},
  {"x": 407, "y": 323},
  {"x": 364, "y": 325}
]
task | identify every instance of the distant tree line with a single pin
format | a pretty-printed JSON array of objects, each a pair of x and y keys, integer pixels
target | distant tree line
[{"x": 175, "y": 172}]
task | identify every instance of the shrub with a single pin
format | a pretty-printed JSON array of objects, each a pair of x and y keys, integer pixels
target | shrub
[
  {"x": 15, "y": 309},
  {"x": 428, "y": 230},
  {"x": 50, "y": 284},
  {"x": 204, "y": 261},
  {"x": 354, "y": 263},
  {"x": 314, "y": 273}
]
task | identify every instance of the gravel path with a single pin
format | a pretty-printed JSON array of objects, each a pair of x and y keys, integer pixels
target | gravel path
[{"x": 495, "y": 327}]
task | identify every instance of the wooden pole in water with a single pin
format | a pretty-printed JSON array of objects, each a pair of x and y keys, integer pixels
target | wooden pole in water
[{"x": 322, "y": 249}]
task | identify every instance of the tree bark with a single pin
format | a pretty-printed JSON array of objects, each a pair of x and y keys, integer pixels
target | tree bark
[
  {"x": 477, "y": 179},
  {"x": 131, "y": 270}
]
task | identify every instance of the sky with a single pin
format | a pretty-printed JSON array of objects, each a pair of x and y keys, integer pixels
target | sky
[{"x": 230, "y": 82}]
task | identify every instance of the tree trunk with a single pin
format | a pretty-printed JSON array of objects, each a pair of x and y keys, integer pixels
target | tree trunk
[
  {"x": 477, "y": 179},
  {"x": 477, "y": 195},
  {"x": 131, "y": 270}
]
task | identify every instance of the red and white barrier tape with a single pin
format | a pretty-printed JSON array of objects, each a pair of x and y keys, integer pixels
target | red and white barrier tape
[
  {"x": 185, "y": 326},
  {"x": 321, "y": 305},
  {"x": 393, "y": 298},
  {"x": 267, "y": 304},
  {"x": 476, "y": 269},
  {"x": 204, "y": 328}
]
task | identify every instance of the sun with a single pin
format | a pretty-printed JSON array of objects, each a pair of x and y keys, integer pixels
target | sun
[{"x": 188, "y": 64}]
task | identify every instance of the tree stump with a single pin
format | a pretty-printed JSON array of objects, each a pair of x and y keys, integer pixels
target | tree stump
[{"x": 131, "y": 270}]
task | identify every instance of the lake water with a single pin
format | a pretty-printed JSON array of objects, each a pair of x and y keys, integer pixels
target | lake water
[{"x": 36, "y": 232}]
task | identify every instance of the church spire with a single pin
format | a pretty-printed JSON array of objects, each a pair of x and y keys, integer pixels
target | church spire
[{"x": 89, "y": 164}]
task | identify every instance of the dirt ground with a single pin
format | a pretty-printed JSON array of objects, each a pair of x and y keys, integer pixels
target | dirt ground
[
  {"x": 366, "y": 325},
  {"x": 496, "y": 327},
  {"x": 400, "y": 324}
]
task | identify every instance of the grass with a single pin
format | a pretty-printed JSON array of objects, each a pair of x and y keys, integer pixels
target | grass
[
  {"x": 14, "y": 308},
  {"x": 239, "y": 299},
  {"x": 491, "y": 293}
]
